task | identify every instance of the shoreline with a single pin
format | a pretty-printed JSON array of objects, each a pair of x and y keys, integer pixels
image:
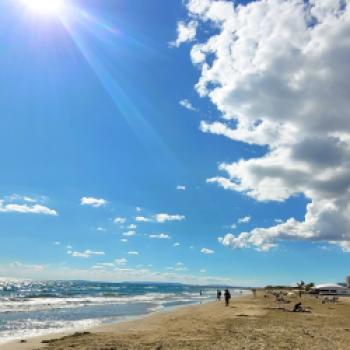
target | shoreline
[
  {"x": 253, "y": 323},
  {"x": 32, "y": 342}
]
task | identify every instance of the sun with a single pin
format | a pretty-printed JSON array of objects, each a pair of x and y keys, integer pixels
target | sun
[{"x": 44, "y": 7}]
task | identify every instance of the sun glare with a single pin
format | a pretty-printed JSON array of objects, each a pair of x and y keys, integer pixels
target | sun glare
[{"x": 44, "y": 7}]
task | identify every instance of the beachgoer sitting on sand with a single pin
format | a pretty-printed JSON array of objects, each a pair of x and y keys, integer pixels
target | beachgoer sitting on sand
[
  {"x": 227, "y": 296},
  {"x": 299, "y": 308}
]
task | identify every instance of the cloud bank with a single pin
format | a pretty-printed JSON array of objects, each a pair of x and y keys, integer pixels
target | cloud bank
[{"x": 278, "y": 73}]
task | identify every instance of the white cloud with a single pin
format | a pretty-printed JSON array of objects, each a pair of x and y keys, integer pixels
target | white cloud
[
  {"x": 176, "y": 244},
  {"x": 121, "y": 261},
  {"x": 93, "y": 202},
  {"x": 26, "y": 209},
  {"x": 207, "y": 251},
  {"x": 181, "y": 187},
  {"x": 142, "y": 219},
  {"x": 101, "y": 229},
  {"x": 138, "y": 209},
  {"x": 85, "y": 254},
  {"x": 124, "y": 240},
  {"x": 161, "y": 218},
  {"x": 233, "y": 226},
  {"x": 187, "y": 104},
  {"x": 132, "y": 227},
  {"x": 129, "y": 233},
  {"x": 202, "y": 270},
  {"x": 185, "y": 32},
  {"x": 160, "y": 236},
  {"x": 278, "y": 73},
  {"x": 133, "y": 253},
  {"x": 119, "y": 220},
  {"x": 244, "y": 220},
  {"x": 57, "y": 243},
  {"x": 167, "y": 217}
]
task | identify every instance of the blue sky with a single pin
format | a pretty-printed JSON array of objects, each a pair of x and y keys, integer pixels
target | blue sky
[{"x": 93, "y": 135}]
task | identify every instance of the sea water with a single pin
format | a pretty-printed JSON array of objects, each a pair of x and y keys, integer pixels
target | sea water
[{"x": 35, "y": 308}]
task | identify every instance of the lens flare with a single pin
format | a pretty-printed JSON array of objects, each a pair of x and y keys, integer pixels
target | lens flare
[{"x": 44, "y": 7}]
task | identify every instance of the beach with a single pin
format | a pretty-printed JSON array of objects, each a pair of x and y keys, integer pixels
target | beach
[{"x": 248, "y": 323}]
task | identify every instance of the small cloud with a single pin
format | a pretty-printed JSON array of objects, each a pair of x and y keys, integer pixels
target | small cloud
[
  {"x": 181, "y": 187},
  {"x": 202, "y": 270},
  {"x": 119, "y": 220},
  {"x": 101, "y": 229},
  {"x": 107, "y": 264},
  {"x": 207, "y": 251},
  {"x": 121, "y": 261},
  {"x": 142, "y": 219},
  {"x": 278, "y": 221},
  {"x": 57, "y": 243},
  {"x": 180, "y": 264},
  {"x": 187, "y": 104},
  {"x": 160, "y": 236},
  {"x": 132, "y": 227},
  {"x": 244, "y": 220},
  {"x": 129, "y": 233},
  {"x": 177, "y": 244},
  {"x": 26, "y": 209},
  {"x": 69, "y": 246},
  {"x": 167, "y": 217},
  {"x": 124, "y": 240},
  {"x": 86, "y": 254},
  {"x": 93, "y": 202},
  {"x": 138, "y": 209},
  {"x": 133, "y": 253},
  {"x": 233, "y": 226}
]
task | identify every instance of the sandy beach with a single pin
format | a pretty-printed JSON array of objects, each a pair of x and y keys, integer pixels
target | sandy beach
[{"x": 248, "y": 323}]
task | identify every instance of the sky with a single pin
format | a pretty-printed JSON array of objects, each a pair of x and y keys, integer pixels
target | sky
[{"x": 198, "y": 141}]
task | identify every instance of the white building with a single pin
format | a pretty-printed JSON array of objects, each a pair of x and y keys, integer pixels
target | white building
[{"x": 331, "y": 289}]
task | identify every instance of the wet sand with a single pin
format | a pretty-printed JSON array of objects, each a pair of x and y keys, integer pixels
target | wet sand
[{"x": 248, "y": 323}]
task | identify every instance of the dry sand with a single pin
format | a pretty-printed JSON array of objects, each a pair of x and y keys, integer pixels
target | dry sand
[{"x": 248, "y": 323}]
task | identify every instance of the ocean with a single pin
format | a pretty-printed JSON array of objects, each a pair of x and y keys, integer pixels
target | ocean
[{"x": 35, "y": 308}]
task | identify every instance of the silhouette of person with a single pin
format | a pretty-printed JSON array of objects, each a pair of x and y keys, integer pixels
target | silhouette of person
[
  {"x": 227, "y": 296},
  {"x": 218, "y": 295}
]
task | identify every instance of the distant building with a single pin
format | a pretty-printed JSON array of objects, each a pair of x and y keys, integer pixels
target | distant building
[{"x": 333, "y": 288}]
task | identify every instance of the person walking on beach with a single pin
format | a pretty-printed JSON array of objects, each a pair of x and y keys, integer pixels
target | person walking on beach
[
  {"x": 227, "y": 296},
  {"x": 218, "y": 295}
]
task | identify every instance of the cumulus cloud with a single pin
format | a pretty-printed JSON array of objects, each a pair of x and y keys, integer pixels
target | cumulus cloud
[
  {"x": 187, "y": 104},
  {"x": 26, "y": 209},
  {"x": 181, "y": 187},
  {"x": 244, "y": 220},
  {"x": 176, "y": 244},
  {"x": 101, "y": 229},
  {"x": 160, "y": 236},
  {"x": 85, "y": 254},
  {"x": 124, "y": 240},
  {"x": 132, "y": 227},
  {"x": 207, "y": 251},
  {"x": 278, "y": 73},
  {"x": 186, "y": 32},
  {"x": 93, "y": 202}
]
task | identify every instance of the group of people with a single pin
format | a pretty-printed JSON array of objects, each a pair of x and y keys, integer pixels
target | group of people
[{"x": 227, "y": 296}]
